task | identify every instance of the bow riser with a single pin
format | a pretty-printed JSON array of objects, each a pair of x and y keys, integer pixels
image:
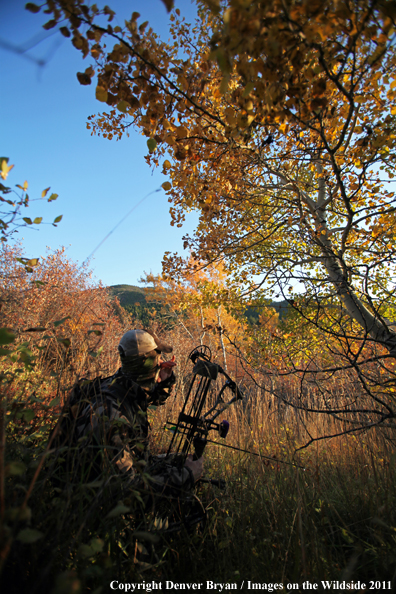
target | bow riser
[{"x": 192, "y": 427}]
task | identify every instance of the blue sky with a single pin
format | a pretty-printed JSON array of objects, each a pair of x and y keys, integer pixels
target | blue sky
[{"x": 43, "y": 132}]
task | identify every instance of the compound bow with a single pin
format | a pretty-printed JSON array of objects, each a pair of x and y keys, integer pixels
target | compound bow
[{"x": 193, "y": 424}]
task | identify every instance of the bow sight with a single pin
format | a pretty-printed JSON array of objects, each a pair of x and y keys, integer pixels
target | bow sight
[{"x": 193, "y": 425}]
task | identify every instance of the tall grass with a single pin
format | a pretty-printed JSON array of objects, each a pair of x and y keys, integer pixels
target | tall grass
[
  {"x": 325, "y": 513},
  {"x": 335, "y": 518}
]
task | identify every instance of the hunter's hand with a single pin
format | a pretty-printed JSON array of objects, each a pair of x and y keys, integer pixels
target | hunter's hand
[
  {"x": 166, "y": 369},
  {"x": 196, "y": 466}
]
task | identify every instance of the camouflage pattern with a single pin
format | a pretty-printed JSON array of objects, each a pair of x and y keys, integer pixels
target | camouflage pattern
[
  {"x": 143, "y": 369},
  {"x": 111, "y": 434}
]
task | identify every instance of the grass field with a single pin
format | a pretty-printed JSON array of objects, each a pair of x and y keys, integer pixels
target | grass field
[{"x": 275, "y": 523}]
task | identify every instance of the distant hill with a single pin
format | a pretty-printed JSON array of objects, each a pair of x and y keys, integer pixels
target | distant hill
[
  {"x": 281, "y": 307},
  {"x": 128, "y": 294},
  {"x": 131, "y": 295}
]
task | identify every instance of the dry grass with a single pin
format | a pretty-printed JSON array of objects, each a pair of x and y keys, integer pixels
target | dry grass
[{"x": 335, "y": 518}]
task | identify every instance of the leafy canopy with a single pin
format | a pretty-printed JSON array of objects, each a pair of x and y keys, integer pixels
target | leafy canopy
[{"x": 276, "y": 121}]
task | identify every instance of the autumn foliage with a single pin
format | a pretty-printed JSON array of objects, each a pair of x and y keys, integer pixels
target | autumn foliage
[
  {"x": 276, "y": 122},
  {"x": 67, "y": 322},
  {"x": 279, "y": 122}
]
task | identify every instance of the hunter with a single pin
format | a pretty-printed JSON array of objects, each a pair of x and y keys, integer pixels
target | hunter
[{"x": 109, "y": 420}]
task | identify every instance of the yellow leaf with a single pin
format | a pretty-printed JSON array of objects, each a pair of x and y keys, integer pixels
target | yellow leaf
[
  {"x": 101, "y": 94},
  {"x": 230, "y": 116},
  {"x": 123, "y": 106},
  {"x": 5, "y": 168},
  {"x": 181, "y": 132},
  {"x": 167, "y": 186}
]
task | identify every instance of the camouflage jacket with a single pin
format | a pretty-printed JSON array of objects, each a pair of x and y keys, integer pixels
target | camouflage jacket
[{"x": 111, "y": 434}]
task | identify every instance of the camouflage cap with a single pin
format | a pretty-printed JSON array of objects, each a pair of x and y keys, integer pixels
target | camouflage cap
[{"x": 137, "y": 343}]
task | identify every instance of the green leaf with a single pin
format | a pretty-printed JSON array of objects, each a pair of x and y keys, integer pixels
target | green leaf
[
  {"x": 101, "y": 94},
  {"x": 28, "y": 415},
  {"x": 37, "y": 220},
  {"x": 28, "y": 220},
  {"x": 58, "y": 219},
  {"x": 59, "y": 322},
  {"x": 29, "y": 535},
  {"x": 15, "y": 468},
  {"x": 93, "y": 485},
  {"x": 6, "y": 337},
  {"x": 65, "y": 341},
  {"x": 85, "y": 551},
  {"x": 224, "y": 84},
  {"x": 54, "y": 402},
  {"x": 45, "y": 192},
  {"x": 123, "y": 106},
  {"x": 97, "y": 353},
  {"x": 33, "y": 261},
  {"x": 119, "y": 509},
  {"x": 6, "y": 190},
  {"x": 38, "y": 283},
  {"x": 347, "y": 537},
  {"x": 95, "y": 546},
  {"x": 249, "y": 87},
  {"x": 53, "y": 197},
  {"x": 148, "y": 536},
  {"x": 222, "y": 60},
  {"x": 15, "y": 514},
  {"x": 152, "y": 144}
]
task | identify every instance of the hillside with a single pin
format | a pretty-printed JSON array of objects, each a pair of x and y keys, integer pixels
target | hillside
[
  {"x": 131, "y": 295},
  {"x": 128, "y": 294}
]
